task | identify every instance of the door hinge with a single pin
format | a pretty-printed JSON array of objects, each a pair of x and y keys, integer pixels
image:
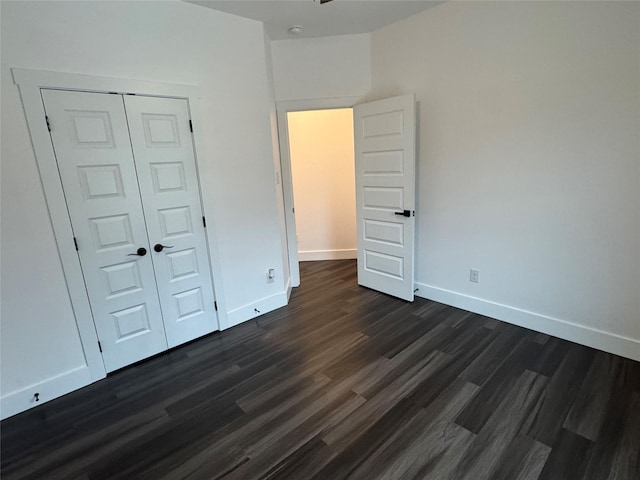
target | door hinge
[
  {"x": 48, "y": 124},
  {"x": 75, "y": 242},
  {"x": 100, "y": 346},
  {"x": 190, "y": 126},
  {"x": 204, "y": 221},
  {"x": 215, "y": 305}
]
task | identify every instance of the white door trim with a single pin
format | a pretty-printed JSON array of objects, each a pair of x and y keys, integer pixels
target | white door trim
[
  {"x": 29, "y": 83},
  {"x": 283, "y": 107}
]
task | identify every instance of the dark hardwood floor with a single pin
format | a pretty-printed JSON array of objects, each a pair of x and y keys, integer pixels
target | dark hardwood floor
[{"x": 345, "y": 382}]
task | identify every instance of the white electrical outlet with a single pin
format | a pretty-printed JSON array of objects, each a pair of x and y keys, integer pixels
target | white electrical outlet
[
  {"x": 474, "y": 276},
  {"x": 271, "y": 274}
]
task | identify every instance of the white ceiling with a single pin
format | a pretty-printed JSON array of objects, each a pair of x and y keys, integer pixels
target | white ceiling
[{"x": 339, "y": 17}]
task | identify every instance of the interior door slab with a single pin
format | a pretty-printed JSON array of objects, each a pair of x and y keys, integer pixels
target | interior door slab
[
  {"x": 168, "y": 179},
  {"x": 385, "y": 194}
]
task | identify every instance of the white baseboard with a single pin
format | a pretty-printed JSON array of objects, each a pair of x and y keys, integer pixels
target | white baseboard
[
  {"x": 591, "y": 337},
  {"x": 315, "y": 255},
  {"x": 54, "y": 387},
  {"x": 247, "y": 312}
]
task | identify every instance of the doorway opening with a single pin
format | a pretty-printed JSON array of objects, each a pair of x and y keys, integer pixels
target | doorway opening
[
  {"x": 323, "y": 174},
  {"x": 284, "y": 108},
  {"x": 384, "y": 178}
]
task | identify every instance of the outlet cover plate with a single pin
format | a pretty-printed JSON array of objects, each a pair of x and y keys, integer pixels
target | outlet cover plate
[{"x": 474, "y": 275}]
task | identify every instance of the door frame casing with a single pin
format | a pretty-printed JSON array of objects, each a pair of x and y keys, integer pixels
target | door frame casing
[
  {"x": 283, "y": 107},
  {"x": 29, "y": 83}
]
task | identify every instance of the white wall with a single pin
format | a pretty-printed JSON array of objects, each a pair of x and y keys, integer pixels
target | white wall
[
  {"x": 323, "y": 67},
  {"x": 529, "y": 160},
  {"x": 171, "y": 42},
  {"x": 322, "y": 164}
]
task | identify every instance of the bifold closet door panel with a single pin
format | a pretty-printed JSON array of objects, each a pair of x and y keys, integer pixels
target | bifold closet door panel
[
  {"x": 167, "y": 175},
  {"x": 93, "y": 151}
]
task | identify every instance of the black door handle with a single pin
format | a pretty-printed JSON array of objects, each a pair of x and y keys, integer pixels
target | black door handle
[
  {"x": 158, "y": 247},
  {"x": 405, "y": 213},
  {"x": 141, "y": 252}
]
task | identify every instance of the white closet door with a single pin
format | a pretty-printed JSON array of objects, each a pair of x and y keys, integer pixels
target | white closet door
[
  {"x": 164, "y": 156},
  {"x": 92, "y": 147}
]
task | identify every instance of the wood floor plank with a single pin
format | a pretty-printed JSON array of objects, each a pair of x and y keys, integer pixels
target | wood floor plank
[
  {"x": 491, "y": 445},
  {"x": 229, "y": 446},
  {"x": 502, "y": 379},
  {"x": 429, "y": 442},
  {"x": 467, "y": 347},
  {"x": 345, "y": 382},
  {"x": 550, "y": 356},
  {"x": 524, "y": 459},
  {"x": 486, "y": 363},
  {"x": 302, "y": 463},
  {"x": 567, "y": 459},
  {"x": 626, "y": 459},
  {"x": 560, "y": 394},
  {"x": 357, "y": 423},
  {"x": 588, "y": 411},
  {"x": 84, "y": 450},
  {"x": 368, "y": 441},
  {"x": 289, "y": 435},
  {"x": 387, "y": 370},
  {"x": 612, "y": 452}
]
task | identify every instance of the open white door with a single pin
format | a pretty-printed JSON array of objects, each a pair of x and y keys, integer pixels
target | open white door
[{"x": 385, "y": 194}]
